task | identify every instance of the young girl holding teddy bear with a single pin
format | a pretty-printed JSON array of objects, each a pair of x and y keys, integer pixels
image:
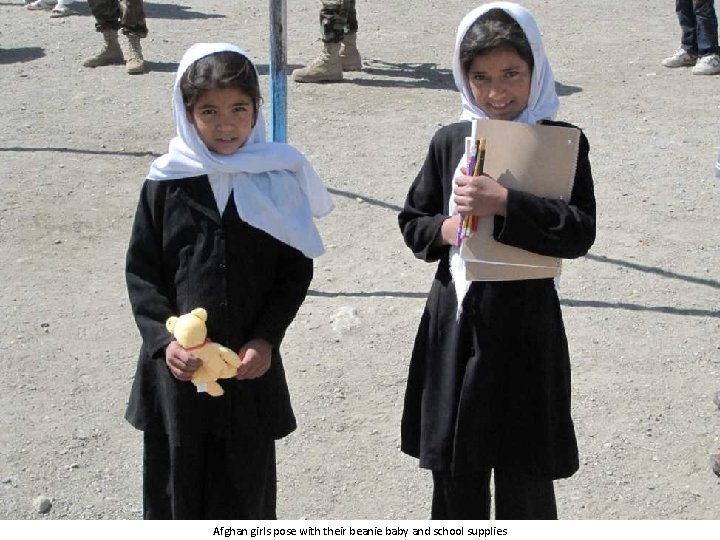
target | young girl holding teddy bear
[{"x": 224, "y": 222}]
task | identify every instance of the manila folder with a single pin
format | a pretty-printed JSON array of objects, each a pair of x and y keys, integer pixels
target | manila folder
[{"x": 534, "y": 158}]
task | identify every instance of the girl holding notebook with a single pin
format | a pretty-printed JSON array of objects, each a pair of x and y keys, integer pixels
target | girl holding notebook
[{"x": 488, "y": 390}]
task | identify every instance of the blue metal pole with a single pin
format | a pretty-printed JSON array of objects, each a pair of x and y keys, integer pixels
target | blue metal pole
[{"x": 278, "y": 79}]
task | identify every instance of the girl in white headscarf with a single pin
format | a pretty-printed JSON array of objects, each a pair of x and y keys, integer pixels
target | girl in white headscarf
[
  {"x": 225, "y": 222},
  {"x": 489, "y": 384}
]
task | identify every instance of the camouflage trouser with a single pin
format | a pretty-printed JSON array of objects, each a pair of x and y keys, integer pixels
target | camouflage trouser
[
  {"x": 337, "y": 18},
  {"x": 127, "y": 15}
]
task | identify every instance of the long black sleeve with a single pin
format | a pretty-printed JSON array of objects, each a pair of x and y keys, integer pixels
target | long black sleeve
[
  {"x": 292, "y": 280},
  {"x": 553, "y": 227},
  {"x": 427, "y": 200},
  {"x": 148, "y": 288}
]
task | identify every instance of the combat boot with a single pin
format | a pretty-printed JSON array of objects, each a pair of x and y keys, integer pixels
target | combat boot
[
  {"x": 349, "y": 55},
  {"x": 111, "y": 53},
  {"x": 135, "y": 63},
  {"x": 325, "y": 68}
]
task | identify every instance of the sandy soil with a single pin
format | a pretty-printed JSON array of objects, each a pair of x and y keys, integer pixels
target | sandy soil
[{"x": 642, "y": 309}]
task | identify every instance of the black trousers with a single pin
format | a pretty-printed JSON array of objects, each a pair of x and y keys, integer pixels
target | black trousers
[
  {"x": 209, "y": 479},
  {"x": 517, "y": 496}
]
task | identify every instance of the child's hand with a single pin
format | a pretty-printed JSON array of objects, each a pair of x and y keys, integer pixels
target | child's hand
[
  {"x": 479, "y": 195},
  {"x": 449, "y": 230},
  {"x": 181, "y": 363},
  {"x": 255, "y": 357}
]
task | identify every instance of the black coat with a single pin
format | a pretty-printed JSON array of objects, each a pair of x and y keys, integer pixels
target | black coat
[
  {"x": 492, "y": 389},
  {"x": 183, "y": 255}
]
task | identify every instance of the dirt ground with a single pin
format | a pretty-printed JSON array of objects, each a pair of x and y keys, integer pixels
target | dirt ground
[{"x": 642, "y": 309}]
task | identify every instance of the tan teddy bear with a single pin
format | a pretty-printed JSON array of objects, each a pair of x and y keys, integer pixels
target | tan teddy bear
[{"x": 218, "y": 362}]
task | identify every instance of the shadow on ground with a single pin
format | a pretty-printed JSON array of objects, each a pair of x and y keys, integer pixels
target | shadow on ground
[
  {"x": 21, "y": 54},
  {"x": 171, "y": 10},
  {"x": 404, "y": 75}
]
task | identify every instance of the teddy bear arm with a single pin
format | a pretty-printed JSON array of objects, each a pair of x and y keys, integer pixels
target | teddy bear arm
[{"x": 229, "y": 356}]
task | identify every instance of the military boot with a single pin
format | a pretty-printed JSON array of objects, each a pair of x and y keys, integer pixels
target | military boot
[
  {"x": 349, "y": 55},
  {"x": 325, "y": 68},
  {"x": 135, "y": 63},
  {"x": 111, "y": 53}
]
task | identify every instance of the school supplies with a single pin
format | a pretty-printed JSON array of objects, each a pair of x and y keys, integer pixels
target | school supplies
[
  {"x": 534, "y": 158},
  {"x": 480, "y": 157},
  {"x": 476, "y": 165},
  {"x": 471, "y": 149}
]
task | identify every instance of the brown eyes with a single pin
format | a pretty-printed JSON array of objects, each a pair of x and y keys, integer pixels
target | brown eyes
[
  {"x": 240, "y": 109},
  {"x": 506, "y": 75}
]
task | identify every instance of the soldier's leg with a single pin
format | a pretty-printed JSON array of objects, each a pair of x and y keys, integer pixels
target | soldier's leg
[
  {"x": 107, "y": 21},
  {"x": 326, "y": 67},
  {"x": 349, "y": 54},
  {"x": 133, "y": 18},
  {"x": 351, "y": 22},
  {"x": 107, "y": 14},
  {"x": 333, "y": 17},
  {"x": 134, "y": 28}
]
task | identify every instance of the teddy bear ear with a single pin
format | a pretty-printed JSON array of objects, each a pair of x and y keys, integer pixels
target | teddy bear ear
[
  {"x": 200, "y": 313},
  {"x": 170, "y": 324}
]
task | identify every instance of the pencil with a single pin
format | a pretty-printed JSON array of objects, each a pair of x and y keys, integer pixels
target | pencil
[
  {"x": 466, "y": 221},
  {"x": 477, "y": 171},
  {"x": 480, "y": 157}
]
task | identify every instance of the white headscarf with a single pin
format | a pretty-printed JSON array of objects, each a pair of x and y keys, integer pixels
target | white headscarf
[
  {"x": 275, "y": 187},
  {"x": 543, "y": 102}
]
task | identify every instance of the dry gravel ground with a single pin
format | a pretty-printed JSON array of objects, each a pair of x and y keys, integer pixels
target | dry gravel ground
[{"x": 642, "y": 309}]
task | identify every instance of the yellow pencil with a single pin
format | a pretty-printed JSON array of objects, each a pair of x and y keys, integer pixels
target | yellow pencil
[
  {"x": 477, "y": 171},
  {"x": 480, "y": 157}
]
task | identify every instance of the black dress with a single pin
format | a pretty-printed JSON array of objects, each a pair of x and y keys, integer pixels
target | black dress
[
  {"x": 492, "y": 389},
  {"x": 183, "y": 255}
]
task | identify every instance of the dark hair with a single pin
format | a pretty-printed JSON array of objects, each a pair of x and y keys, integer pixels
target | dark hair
[
  {"x": 220, "y": 70},
  {"x": 494, "y": 29}
]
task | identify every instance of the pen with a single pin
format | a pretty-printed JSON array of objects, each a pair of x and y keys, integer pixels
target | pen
[
  {"x": 472, "y": 159},
  {"x": 460, "y": 231}
]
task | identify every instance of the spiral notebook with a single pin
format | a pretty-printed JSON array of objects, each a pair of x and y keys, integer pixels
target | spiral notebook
[{"x": 535, "y": 158}]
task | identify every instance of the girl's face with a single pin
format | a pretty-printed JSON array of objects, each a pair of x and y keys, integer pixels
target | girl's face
[
  {"x": 223, "y": 118},
  {"x": 500, "y": 83}
]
